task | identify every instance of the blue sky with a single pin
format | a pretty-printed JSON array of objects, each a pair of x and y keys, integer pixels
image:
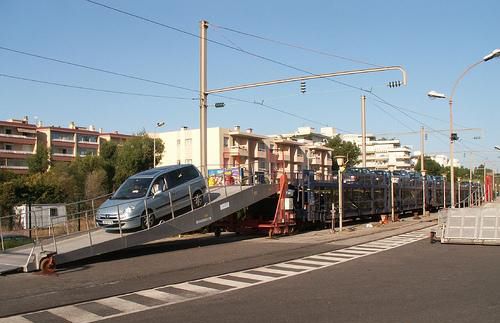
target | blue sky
[{"x": 434, "y": 41}]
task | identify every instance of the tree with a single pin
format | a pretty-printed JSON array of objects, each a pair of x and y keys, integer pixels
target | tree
[
  {"x": 344, "y": 148},
  {"x": 431, "y": 167},
  {"x": 39, "y": 162},
  {"x": 134, "y": 156},
  {"x": 108, "y": 153},
  {"x": 95, "y": 184}
]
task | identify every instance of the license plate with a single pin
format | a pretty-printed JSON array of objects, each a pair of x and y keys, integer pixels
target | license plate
[{"x": 107, "y": 222}]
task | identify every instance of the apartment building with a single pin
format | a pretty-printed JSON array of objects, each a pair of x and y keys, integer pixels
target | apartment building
[
  {"x": 17, "y": 143},
  {"x": 380, "y": 153},
  {"x": 252, "y": 152},
  {"x": 19, "y": 140}
]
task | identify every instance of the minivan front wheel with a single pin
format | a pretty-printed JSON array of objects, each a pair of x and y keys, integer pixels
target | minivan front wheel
[
  {"x": 147, "y": 218},
  {"x": 197, "y": 199}
]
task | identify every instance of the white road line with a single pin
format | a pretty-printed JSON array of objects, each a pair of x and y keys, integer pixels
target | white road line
[
  {"x": 196, "y": 289},
  {"x": 321, "y": 257},
  {"x": 75, "y": 314},
  {"x": 14, "y": 319},
  {"x": 222, "y": 281},
  {"x": 291, "y": 266},
  {"x": 253, "y": 276},
  {"x": 366, "y": 249},
  {"x": 339, "y": 259},
  {"x": 312, "y": 262},
  {"x": 161, "y": 296},
  {"x": 122, "y": 305},
  {"x": 275, "y": 271},
  {"x": 356, "y": 252}
]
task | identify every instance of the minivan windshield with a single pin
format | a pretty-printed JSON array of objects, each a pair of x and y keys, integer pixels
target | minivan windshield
[{"x": 133, "y": 188}]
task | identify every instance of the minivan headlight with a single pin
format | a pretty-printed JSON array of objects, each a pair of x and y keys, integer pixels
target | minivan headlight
[{"x": 128, "y": 211}]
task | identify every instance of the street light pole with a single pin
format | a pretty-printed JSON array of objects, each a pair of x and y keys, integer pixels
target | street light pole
[
  {"x": 422, "y": 167},
  {"x": 444, "y": 190},
  {"x": 158, "y": 125},
  {"x": 458, "y": 182},
  {"x": 363, "y": 130},
  {"x": 453, "y": 137},
  {"x": 391, "y": 170},
  {"x": 340, "y": 162}
]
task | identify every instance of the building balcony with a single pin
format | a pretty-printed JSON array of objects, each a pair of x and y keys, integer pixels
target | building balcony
[
  {"x": 260, "y": 154},
  {"x": 62, "y": 157},
  {"x": 15, "y": 153},
  {"x": 315, "y": 161},
  {"x": 299, "y": 159},
  {"x": 16, "y": 169},
  {"x": 88, "y": 144},
  {"x": 283, "y": 155},
  {"x": 241, "y": 150},
  {"x": 17, "y": 139},
  {"x": 63, "y": 143}
]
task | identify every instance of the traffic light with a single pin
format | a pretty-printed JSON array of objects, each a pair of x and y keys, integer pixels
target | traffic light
[
  {"x": 394, "y": 84},
  {"x": 303, "y": 87},
  {"x": 454, "y": 136},
  {"x": 220, "y": 104}
]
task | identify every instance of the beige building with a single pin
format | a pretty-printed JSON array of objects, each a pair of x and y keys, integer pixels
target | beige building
[
  {"x": 19, "y": 140},
  {"x": 252, "y": 152},
  {"x": 382, "y": 152},
  {"x": 17, "y": 143}
]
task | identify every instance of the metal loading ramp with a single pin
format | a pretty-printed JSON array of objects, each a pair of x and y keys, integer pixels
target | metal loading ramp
[
  {"x": 224, "y": 201},
  {"x": 471, "y": 225}
]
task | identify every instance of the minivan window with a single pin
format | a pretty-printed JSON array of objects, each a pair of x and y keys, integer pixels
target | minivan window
[
  {"x": 190, "y": 173},
  {"x": 133, "y": 188},
  {"x": 174, "y": 178}
]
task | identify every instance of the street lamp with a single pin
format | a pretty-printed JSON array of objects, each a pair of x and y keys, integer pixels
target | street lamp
[
  {"x": 423, "y": 192},
  {"x": 453, "y": 136},
  {"x": 158, "y": 125},
  {"x": 340, "y": 162},
  {"x": 458, "y": 180},
  {"x": 391, "y": 170},
  {"x": 444, "y": 190}
]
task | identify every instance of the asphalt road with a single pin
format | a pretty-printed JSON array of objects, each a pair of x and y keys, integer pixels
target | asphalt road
[
  {"x": 418, "y": 282},
  {"x": 170, "y": 262}
]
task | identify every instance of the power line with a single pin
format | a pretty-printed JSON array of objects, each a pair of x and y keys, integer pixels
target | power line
[
  {"x": 295, "y": 46},
  {"x": 217, "y": 43},
  {"x": 96, "y": 69},
  {"x": 393, "y": 117},
  {"x": 94, "y": 89}
]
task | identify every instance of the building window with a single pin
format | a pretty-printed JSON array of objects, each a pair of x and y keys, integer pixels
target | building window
[
  {"x": 64, "y": 151},
  {"x": 53, "y": 212},
  {"x": 188, "y": 161},
  {"x": 8, "y": 131},
  {"x": 300, "y": 153},
  {"x": 262, "y": 164},
  {"x": 8, "y": 147},
  {"x": 261, "y": 146},
  {"x": 226, "y": 142},
  {"x": 187, "y": 142}
]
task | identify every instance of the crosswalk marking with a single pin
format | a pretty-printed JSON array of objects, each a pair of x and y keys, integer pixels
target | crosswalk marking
[
  {"x": 122, "y": 305},
  {"x": 74, "y": 314},
  {"x": 97, "y": 310},
  {"x": 164, "y": 297},
  {"x": 232, "y": 283}
]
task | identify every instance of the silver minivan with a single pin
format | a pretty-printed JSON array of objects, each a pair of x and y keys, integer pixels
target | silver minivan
[{"x": 149, "y": 196}]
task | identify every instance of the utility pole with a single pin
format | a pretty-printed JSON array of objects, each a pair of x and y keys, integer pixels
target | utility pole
[
  {"x": 203, "y": 97},
  {"x": 363, "y": 129},
  {"x": 422, "y": 167}
]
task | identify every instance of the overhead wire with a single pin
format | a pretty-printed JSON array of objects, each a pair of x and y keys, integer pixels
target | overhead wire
[
  {"x": 97, "y": 69},
  {"x": 94, "y": 89}
]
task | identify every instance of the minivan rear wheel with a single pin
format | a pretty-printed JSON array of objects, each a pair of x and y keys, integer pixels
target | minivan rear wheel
[
  {"x": 150, "y": 217},
  {"x": 197, "y": 199}
]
